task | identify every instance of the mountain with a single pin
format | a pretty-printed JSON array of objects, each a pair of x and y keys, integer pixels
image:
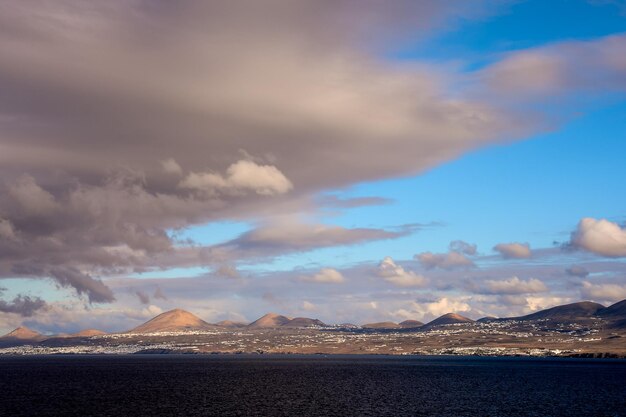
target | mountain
[
  {"x": 304, "y": 322},
  {"x": 617, "y": 310},
  {"x": 230, "y": 324},
  {"x": 381, "y": 325},
  {"x": 616, "y": 314},
  {"x": 411, "y": 324},
  {"x": 173, "y": 321},
  {"x": 21, "y": 336},
  {"x": 88, "y": 333},
  {"x": 268, "y": 321},
  {"x": 23, "y": 333},
  {"x": 450, "y": 318},
  {"x": 487, "y": 319},
  {"x": 567, "y": 312}
]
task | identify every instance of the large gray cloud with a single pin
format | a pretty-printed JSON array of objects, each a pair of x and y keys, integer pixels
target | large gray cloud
[
  {"x": 23, "y": 305},
  {"x": 122, "y": 120}
]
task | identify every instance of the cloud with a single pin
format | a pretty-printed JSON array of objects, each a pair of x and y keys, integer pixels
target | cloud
[
  {"x": 326, "y": 275},
  {"x": 601, "y": 237},
  {"x": 603, "y": 292},
  {"x": 143, "y": 297},
  {"x": 463, "y": 247},
  {"x": 514, "y": 285},
  {"x": 308, "y": 306},
  {"x": 397, "y": 275},
  {"x": 23, "y": 305},
  {"x": 170, "y": 166},
  {"x": 159, "y": 294},
  {"x": 227, "y": 271},
  {"x": 6, "y": 230},
  {"x": 429, "y": 310},
  {"x": 95, "y": 290},
  {"x": 513, "y": 250},
  {"x": 30, "y": 198},
  {"x": 560, "y": 68},
  {"x": 241, "y": 177},
  {"x": 131, "y": 119},
  {"x": 290, "y": 235},
  {"x": 577, "y": 271},
  {"x": 450, "y": 260},
  {"x": 336, "y": 202}
]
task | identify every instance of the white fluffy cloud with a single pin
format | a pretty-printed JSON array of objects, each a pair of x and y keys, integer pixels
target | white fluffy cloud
[
  {"x": 513, "y": 250},
  {"x": 6, "y": 229},
  {"x": 397, "y": 275},
  {"x": 241, "y": 177},
  {"x": 326, "y": 275},
  {"x": 515, "y": 285},
  {"x": 601, "y": 237},
  {"x": 603, "y": 292}
]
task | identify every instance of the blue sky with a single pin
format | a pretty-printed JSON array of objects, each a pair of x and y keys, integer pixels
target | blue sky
[{"x": 362, "y": 140}]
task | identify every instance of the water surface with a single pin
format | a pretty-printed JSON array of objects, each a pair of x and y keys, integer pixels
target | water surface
[{"x": 215, "y": 385}]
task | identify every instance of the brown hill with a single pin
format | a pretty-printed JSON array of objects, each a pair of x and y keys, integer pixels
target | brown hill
[
  {"x": 268, "y": 321},
  {"x": 567, "y": 312},
  {"x": 617, "y": 310},
  {"x": 24, "y": 333},
  {"x": 381, "y": 325},
  {"x": 230, "y": 324},
  {"x": 450, "y": 318},
  {"x": 304, "y": 322},
  {"x": 173, "y": 321},
  {"x": 88, "y": 333},
  {"x": 411, "y": 324},
  {"x": 616, "y": 314}
]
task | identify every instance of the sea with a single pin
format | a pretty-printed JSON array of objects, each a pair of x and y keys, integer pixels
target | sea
[{"x": 317, "y": 385}]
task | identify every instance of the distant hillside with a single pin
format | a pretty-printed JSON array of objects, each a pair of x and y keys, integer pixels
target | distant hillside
[
  {"x": 616, "y": 310},
  {"x": 21, "y": 336},
  {"x": 381, "y": 325},
  {"x": 450, "y": 318},
  {"x": 230, "y": 324},
  {"x": 23, "y": 333},
  {"x": 173, "y": 321},
  {"x": 567, "y": 312},
  {"x": 303, "y": 322},
  {"x": 410, "y": 324},
  {"x": 268, "y": 321},
  {"x": 88, "y": 333},
  {"x": 273, "y": 320}
]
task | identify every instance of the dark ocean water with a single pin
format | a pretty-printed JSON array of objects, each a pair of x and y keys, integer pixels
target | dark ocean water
[{"x": 173, "y": 385}]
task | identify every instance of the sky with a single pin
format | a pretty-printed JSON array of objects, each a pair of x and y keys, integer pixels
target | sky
[{"x": 348, "y": 161}]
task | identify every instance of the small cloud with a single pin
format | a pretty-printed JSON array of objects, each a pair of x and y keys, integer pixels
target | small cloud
[
  {"x": 337, "y": 202},
  {"x": 6, "y": 230},
  {"x": 450, "y": 260},
  {"x": 577, "y": 271},
  {"x": 514, "y": 285},
  {"x": 143, "y": 297},
  {"x": 463, "y": 247},
  {"x": 601, "y": 237},
  {"x": 159, "y": 294},
  {"x": 397, "y": 275},
  {"x": 326, "y": 275},
  {"x": 170, "y": 166},
  {"x": 227, "y": 271},
  {"x": 603, "y": 292},
  {"x": 513, "y": 250},
  {"x": 151, "y": 310},
  {"x": 241, "y": 177},
  {"x": 308, "y": 306}
]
